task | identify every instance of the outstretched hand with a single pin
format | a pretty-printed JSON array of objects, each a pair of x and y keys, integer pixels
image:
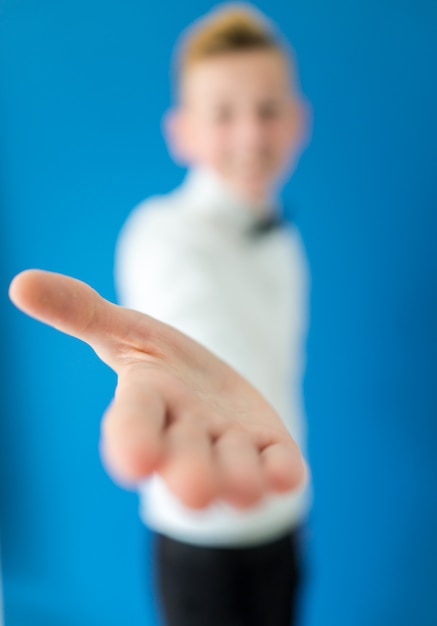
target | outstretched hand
[{"x": 178, "y": 410}]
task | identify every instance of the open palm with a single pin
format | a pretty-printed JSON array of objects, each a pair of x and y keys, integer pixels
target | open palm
[{"x": 177, "y": 410}]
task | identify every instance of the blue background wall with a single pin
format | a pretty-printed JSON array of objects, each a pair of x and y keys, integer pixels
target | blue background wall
[{"x": 83, "y": 86}]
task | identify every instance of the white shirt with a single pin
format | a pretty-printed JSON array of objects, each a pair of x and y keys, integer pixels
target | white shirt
[{"x": 191, "y": 259}]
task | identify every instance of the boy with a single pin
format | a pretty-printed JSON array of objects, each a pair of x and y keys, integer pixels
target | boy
[
  {"x": 213, "y": 260},
  {"x": 177, "y": 410}
]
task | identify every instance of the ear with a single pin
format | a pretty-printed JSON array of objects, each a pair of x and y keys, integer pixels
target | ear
[
  {"x": 174, "y": 129},
  {"x": 302, "y": 121}
]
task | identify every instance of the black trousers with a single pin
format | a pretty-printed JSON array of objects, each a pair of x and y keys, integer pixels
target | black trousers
[{"x": 203, "y": 586}]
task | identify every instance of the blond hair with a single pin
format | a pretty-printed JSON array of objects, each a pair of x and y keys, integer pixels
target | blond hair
[{"x": 229, "y": 28}]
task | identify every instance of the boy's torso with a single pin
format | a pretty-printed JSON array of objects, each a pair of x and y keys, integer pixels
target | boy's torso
[{"x": 239, "y": 292}]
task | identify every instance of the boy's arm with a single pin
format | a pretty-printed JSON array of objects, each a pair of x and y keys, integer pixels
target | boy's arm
[{"x": 178, "y": 409}]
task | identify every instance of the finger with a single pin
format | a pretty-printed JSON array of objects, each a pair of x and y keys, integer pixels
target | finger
[
  {"x": 132, "y": 434},
  {"x": 188, "y": 469},
  {"x": 73, "y": 307},
  {"x": 241, "y": 479},
  {"x": 284, "y": 466}
]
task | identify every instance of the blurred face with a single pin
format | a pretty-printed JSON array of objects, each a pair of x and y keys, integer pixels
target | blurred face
[{"x": 239, "y": 115}]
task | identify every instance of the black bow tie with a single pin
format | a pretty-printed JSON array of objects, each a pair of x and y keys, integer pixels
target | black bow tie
[{"x": 266, "y": 225}]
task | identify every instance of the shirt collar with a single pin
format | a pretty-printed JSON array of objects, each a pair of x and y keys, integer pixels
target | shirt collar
[{"x": 209, "y": 195}]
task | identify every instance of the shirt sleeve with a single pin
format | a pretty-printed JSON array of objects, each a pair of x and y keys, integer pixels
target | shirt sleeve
[{"x": 161, "y": 269}]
